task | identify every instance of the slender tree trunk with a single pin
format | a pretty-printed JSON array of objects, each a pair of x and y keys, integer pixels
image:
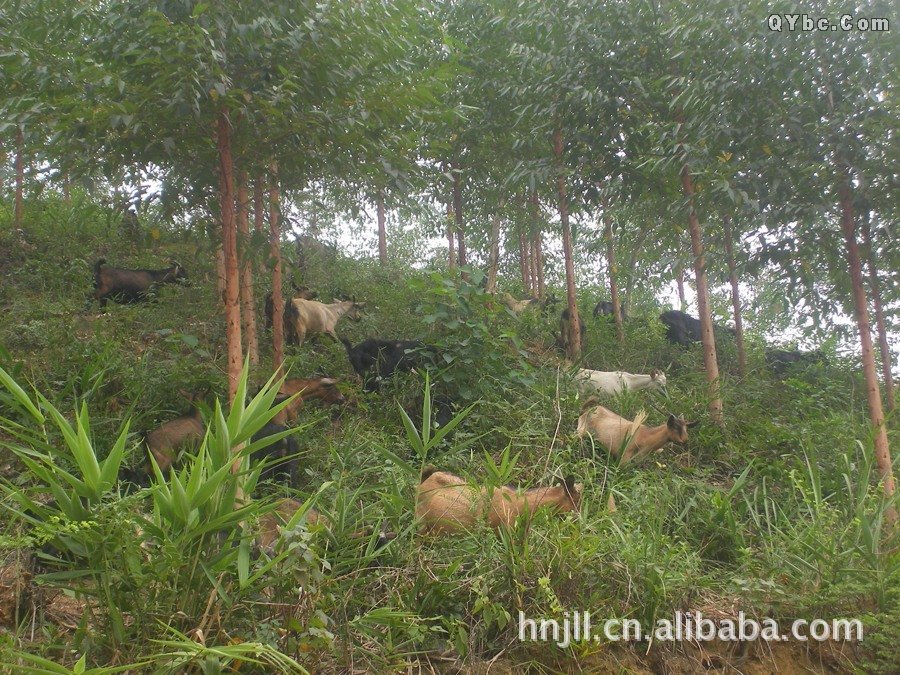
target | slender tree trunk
[
  {"x": 679, "y": 281},
  {"x": 524, "y": 265},
  {"x": 632, "y": 265},
  {"x": 735, "y": 297},
  {"x": 706, "y": 325},
  {"x": 67, "y": 194},
  {"x": 876, "y": 413},
  {"x": 460, "y": 222},
  {"x": 19, "y": 209},
  {"x": 539, "y": 264},
  {"x": 139, "y": 188},
  {"x": 451, "y": 241},
  {"x": 259, "y": 214},
  {"x": 573, "y": 350},
  {"x": 494, "y": 259},
  {"x": 275, "y": 252},
  {"x": 533, "y": 266},
  {"x": 248, "y": 303},
  {"x": 611, "y": 266},
  {"x": 220, "y": 277},
  {"x": 382, "y": 233},
  {"x": 229, "y": 249},
  {"x": 875, "y": 287}
]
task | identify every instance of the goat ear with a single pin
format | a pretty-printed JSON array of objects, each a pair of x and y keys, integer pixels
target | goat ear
[
  {"x": 327, "y": 380},
  {"x": 672, "y": 422},
  {"x": 691, "y": 425},
  {"x": 570, "y": 485}
]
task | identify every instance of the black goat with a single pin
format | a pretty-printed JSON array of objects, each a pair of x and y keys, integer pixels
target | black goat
[
  {"x": 386, "y": 357},
  {"x": 605, "y": 308},
  {"x": 125, "y": 286},
  {"x": 781, "y": 360},
  {"x": 282, "y": 456},
  {"x": 683, "y": 329},
  {"x": 565, "y": 330}
]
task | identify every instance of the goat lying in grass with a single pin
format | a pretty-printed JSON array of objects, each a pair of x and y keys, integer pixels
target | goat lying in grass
[
  {"x": 125, "y": 285},
  {"x": 447, "y": 503},
  {"x": 611, "y": 382},
  {"x": 630, "y": 439},
  {"x": 314, "y": 388},
  {"x": 164, "y": 442}
]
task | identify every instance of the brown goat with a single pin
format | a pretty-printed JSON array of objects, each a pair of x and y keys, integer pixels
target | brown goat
[
  {"x": 126, "y": 285},
  {"x": 321, "y": 388},
  {"x": 163, "y": 442},
  {"x": 632, "y": 439},
  {"x": 447, "y": 503}
]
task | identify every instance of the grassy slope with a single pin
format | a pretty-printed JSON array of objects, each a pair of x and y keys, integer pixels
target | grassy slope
[{"x": 681, "y": 537}]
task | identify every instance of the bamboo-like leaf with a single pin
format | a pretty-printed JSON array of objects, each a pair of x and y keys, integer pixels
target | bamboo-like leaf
[{"x": 21, "y": 397}]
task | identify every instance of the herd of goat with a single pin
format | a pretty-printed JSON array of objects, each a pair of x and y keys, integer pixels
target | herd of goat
[{"x": 445, "y": 502}]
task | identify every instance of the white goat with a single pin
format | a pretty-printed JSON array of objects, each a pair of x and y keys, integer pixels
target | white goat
[
  {"x": 603, "y": 382},
  {"x": 312, "y": 316},
  {"x": 518, "y": 306},
  {"x": 632, "y": 439}
]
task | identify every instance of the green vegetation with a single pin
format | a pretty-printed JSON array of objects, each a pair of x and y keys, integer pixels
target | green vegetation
[{"x": 776, "y": 514}]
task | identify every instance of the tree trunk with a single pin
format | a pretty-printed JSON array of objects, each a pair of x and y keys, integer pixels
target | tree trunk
[
  {"x": 524, "y": 265},
  {"x": 248, "y": 304},
  {"x": 460, "y": 224},
  {"x": 382, "y": 234},
  {"x": 259, "y": 214},
  {"x": 876, "y": 413},
  {"x": 220, "y": 277},
  {"x": 67, "y": 194},
  {"x": 573, "y": 349},
  {"x": 611, "y": 266},
  {"x": 875, "y": 287},
  {"x": 275, "y": 252},
  {"x": 229, "y": 250},
  {"x": 532, "y": 261},
  {"x": 735, "y": 297},
  {"x": 494, "y": 259},
  {"x": 539, "y": 264},
  {"x": 679, "y": 281},
  {"x": 706, "y": 325},
  {"x": 632, "y": 264},
  {"x": 451, "y": 241},
  {"x": 19, "y": 209}
]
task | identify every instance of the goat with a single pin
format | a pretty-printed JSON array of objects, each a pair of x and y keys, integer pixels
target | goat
[
  {"x": 683, "y": 329},
  {"x": 313, "y": 316},
  {"x": 282, "y": 455},
  {"x": 632, "y": 439},
  {"x": 605, "y": 308},
  {"x": 447, "y": 503},
  {"x": 321, "y": 388},
  {"x": 598, "y": 381},
  {"x": 126, "y": 286},
  {"x": 565, "y": 331},
  {"x": 386, "y": 357},
  {"x": 271, "y": 524},
  {"x": 290, "y": 313},
  {"x": 164, "y": 441},
  {"x": 781, "y": 360},
  {"x": 518, "y": 306}
]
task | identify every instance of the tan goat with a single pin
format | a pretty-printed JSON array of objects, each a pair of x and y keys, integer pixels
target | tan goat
[
  {"x": 447, "y": 503},
  {"x": 630, "y": 439}
]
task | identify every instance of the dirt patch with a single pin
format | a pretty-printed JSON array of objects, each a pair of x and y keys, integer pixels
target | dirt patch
[{"x": 15, "y": 588}]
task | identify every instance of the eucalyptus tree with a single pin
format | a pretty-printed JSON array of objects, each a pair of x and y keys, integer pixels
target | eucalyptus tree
[{"x": 834, "y": 92}]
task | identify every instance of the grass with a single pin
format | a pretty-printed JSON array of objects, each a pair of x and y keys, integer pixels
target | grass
[{"x": 777, "y": 514}]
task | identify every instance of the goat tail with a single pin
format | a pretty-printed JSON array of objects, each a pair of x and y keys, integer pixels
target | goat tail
[
  {"x": 428, "y": 471},
  {"x": 97, "y": 265},
  {"x": 347, "y": 344}
]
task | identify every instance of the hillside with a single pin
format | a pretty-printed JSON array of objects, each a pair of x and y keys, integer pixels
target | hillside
[{"x": 775, "y": 515}]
